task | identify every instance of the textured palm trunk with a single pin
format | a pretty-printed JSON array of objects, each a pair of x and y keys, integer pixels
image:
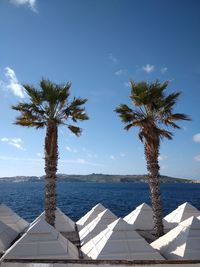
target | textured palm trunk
[
  {"x": 151, "y": 154},
  {"x": 51, "y": 161}
]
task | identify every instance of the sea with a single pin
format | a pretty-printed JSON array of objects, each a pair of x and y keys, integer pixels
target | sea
[{"x": 77, "y": 198}]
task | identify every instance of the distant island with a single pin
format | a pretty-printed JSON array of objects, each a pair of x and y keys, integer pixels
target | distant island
[{"x": 98, "y": 178}]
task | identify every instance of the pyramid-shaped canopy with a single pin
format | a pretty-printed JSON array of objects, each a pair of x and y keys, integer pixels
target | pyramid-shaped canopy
[
  {"x": 90, "y": 216},
  {"x": 142, "y": 218},
  {"x": 10, "y": 218},
  {"x": 119, "y": 241},
  {"x": 7, "y": 235},
  {"x": 96, "y": 226},
  {"x": 42, "y": 241},
  {"x": 182, "y": 213},
  {"x": 62, "y": 223},
  {"x": 182, "y": 242}
]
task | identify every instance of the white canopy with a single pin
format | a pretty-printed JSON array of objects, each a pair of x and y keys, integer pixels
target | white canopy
[
  {"x": 10, "y": 218},
  {"x": 119, "y": 241},
  {"x": 96, "y": 226},
  {"x": 142, "y": 218},
  {"x": 182, "y": 242},
  {"x": 42, "y": 241},
  {"x": 62, "y": 223},
  {"x": 90, "y": 216},
  {"x": 182, "y": 213},
  {"x": 7, "y": 235}
]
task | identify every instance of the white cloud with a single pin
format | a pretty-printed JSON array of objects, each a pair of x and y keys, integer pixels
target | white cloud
[
  {"x": 30, "y": 3},
  {"x": 16, "y": 142},
  {"x": 21, "y": 159},
  {"x": 127, "y": 84},
  {"x": 120, "y": 72},
  {"x": 162, "y": 157},
  {"x": 12, "y": 84},
  {"x": 40, "y": 160},
  {"x": 148, "y": 68},
  {"x": 112, "y": 58},
  {"x": 163, "y": 70},
  {"x": 163, "y": 167},
  {"x": 122, "y": 155},
  {"x": 68, "y": 148},
  {"x": 197, "y": 157},
  {"x": 79, "y": 161},
  {"x": 71, "y": 150},
  {"x": 4, "y": 139},
  {"x": 112, "y": 157},
  {"x": 196, "y": 138},
  {"x": 90, "y": 155}
]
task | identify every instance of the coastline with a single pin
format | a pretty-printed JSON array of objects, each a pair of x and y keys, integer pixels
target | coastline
[{"x": 99, "y": 178}]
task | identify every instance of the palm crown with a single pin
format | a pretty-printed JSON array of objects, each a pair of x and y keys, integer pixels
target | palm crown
[
  {"x": 153, "y": 110},
  {"x": 50, "y": 103}
]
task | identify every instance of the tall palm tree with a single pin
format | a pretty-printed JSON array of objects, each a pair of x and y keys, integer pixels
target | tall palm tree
[
  {"x": 49, "y": 107},
  {"x": 152, "y": 113}
]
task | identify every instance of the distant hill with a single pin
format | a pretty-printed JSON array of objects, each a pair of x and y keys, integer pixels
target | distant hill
[{"x": 99, "y": 178}]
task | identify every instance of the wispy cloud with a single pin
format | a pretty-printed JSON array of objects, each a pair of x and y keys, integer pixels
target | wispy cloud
[
  {"x": 148, "y": 68},
  {"x": 30, "y": 3},
  {"x": 196, "y": 138},
  {"x": 120, "y": 72},
  {"x": 79, "y": 161},
  {"x": 122, "y": 155},
  {"x": 40, "y": 160},
  {"x": 16, "y": 142},
  {"x": 163, "y": 70},
  {"x": 11, "y": 83},
  {"x": 197, "y": 157},
  {"x": 21, "y": 159},
  {"x": 71, "y": 149},
  {"x": 112, "y": 157},
  {"x": 89, "y": 154},
  {"x": 163, "y": 167},
  {"x": 127, "y": 84},
  {"x": 162, "y": 157},
  {"x": 112, "y": 58}
]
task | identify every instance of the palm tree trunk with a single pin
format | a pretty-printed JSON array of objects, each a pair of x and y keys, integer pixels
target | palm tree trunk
[
  {"x": 51, "y": 161},
  {"x": 151, "y": 154}
]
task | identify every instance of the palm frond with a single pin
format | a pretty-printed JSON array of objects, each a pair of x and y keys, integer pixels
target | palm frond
[
  {"x": 50, "y": 102},
  {"x": 179, "y": 116},
  {"x": 75, "y": 111},
  {"x": 75, "y": 130},
  {"x": 153, "y": 109}
]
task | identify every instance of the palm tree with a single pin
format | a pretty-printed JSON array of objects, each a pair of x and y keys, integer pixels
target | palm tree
[
  {"x": 152, "y": 113},
  {"x": 49, "y": 108}
]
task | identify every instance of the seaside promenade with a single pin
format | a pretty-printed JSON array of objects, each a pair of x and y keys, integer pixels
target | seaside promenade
[{"x": 100, "y": 238}]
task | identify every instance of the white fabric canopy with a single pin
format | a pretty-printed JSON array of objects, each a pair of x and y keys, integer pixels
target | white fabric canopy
[
  {"x": 182, "y": 242},
  {"x": 119, "y": 241},
  {"x": 62, "y": 223},
  {"x": 10, "y": 218},
  {"x": 183, "y": 212},
  {"x": 96, "y": 226},
  {"x": 90, "y": 216},
  {"x": 42, "y": 241}
]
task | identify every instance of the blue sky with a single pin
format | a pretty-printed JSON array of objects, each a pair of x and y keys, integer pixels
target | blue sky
[{"x": 99, "y": 45}]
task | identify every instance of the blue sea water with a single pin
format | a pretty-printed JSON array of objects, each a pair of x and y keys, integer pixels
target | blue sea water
[{"x": 76, "y": 198}]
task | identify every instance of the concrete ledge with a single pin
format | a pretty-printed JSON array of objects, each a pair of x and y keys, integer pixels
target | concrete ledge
[{"x": 105, "y": 262}]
